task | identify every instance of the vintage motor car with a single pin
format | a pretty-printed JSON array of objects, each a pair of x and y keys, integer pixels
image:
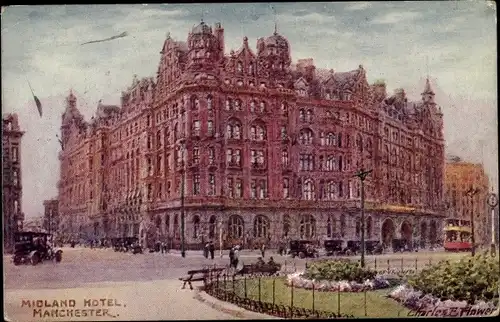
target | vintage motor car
[
  {"x": 34, "y": 248},
  {"x": 401, "y": 245},
  {"x": 333, "y": 246},
  {"x": 303, "y": 249}
]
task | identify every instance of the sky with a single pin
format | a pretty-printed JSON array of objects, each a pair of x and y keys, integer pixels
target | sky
[{"x": 454, "y": 43}]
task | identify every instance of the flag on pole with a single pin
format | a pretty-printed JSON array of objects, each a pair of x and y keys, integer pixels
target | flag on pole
[{"x": 37, "y": 101}]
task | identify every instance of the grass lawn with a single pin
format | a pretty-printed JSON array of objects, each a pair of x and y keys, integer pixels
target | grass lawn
[{"x": 377, "y": 305}]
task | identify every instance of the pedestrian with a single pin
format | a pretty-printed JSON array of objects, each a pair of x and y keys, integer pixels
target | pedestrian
[
  {"x": 236, "y": 255},
  {"x": 263, "y": 250},
  {"x": 231, "y": 257},
  {"x": 211, "y": 248},
  {"x": 162, "y": 246},
  {"x": 206, "y": 250}
]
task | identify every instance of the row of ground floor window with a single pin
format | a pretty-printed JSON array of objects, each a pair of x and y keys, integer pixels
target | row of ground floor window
[{"x": 249, "y": 228}]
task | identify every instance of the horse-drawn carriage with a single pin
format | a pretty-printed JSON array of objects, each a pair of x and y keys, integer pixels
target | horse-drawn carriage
[{"x": 34, "y": 247}]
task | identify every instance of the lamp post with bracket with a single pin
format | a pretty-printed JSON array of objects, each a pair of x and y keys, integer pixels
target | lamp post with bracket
[{"x": 362, "y": 174}]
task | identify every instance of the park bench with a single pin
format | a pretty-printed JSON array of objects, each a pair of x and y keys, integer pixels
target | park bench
[
  {"x": 262, "y": 269},
  {"x": 200, "y": 275}
]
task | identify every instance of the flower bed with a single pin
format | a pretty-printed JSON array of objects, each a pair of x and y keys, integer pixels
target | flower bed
[
  {"x": 300, "y": 281},
  {"x": 471, "y": 282},
  {"x": 337, "y": 275}
]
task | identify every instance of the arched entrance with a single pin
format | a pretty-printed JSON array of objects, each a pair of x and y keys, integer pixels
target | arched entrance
[
  {"x": 423, "y": 234},
  {"x": 433, "y": 233},
  {"x": 388, "y": 231},
  {"x": 406, "y": 232}
]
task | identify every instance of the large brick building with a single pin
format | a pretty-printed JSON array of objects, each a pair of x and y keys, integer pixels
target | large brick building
[
  {"x": 259, "y": 148},
  {"x": 11, "y": 178},
  {"x": 460, "y": 176}
]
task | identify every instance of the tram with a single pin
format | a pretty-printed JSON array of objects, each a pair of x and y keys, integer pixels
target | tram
[{"x": 457, "y": 235}]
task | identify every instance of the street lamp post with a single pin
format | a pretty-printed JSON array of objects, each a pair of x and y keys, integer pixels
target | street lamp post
[
  {"x": 493, "y": 202},
  {"x": 362, "y": 174},
  {"x": 471, "y": 193},
  {"x": 183, "y": 249}
]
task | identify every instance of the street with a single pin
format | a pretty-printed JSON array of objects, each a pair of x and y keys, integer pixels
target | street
[{"x": 144, "y": 286}]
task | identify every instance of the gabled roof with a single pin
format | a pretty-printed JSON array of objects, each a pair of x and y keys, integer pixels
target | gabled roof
[{"x": 300, "y": 80}]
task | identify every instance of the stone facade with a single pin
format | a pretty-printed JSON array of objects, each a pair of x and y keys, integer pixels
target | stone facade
[
  {"x": 254, "y": 149},
  {"x": 459, "y": 177},
  {"x": 11, "y": 178},
  {"x": 51, "y": 215}
]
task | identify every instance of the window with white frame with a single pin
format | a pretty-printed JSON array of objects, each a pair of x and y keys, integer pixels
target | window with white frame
[
  {"x": 253, "y": 189},
  {"x": 238, "y": 193},
  {"x": 195, "y": 128},
  {"x": 196, "y": 184},
  {"x": 233, "y": 131},
  {"x": 331, "y": 163},
  {"x": 211, "y": 184},
  {"x": 308, "y": 190},
  {"x": 257, "y": 133},
  {"x": 331, "y": 190},
  {"x": 230, "y": 188},
  {"x": 210, "y": 128},
  {"x": 263, "y": 189},
  {"x": 257, "y": 157},
  {"x": 331, "y": 139},
  {"x": 306, "y": 162},
  {"x": 306, "y": 137},
  {"x": 211, "y": 155},
  {"x": 196, "y": 155},
  {"x": 284, "y": 158},
  {"x": 286, "y": 188},
  {"x": 252, "y": 106}
]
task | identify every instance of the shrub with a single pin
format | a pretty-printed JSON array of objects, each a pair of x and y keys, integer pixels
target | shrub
[
  {"x": 471, "y": 279},
  {"x": 338, "y": 270}
]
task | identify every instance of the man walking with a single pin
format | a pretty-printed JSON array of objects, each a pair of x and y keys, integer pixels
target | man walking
[
  {"x": 211, "y": 248},
  {"x": 263, "y": 250}
]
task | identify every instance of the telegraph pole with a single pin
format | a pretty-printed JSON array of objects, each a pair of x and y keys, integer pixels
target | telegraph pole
[
  {"x": 362, "y": 174},
  {"x": 183, "y": 249},
  {"x": 471, "y": 193}
]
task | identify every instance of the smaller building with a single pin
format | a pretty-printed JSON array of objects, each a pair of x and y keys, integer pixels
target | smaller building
[
  {"x": 51, "y": 215},
  {"x": 12, "y": 189},
  {"x": 460, "y": 176}
]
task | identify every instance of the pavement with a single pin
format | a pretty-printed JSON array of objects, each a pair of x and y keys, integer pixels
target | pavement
[{"x": 140, "y": 287}]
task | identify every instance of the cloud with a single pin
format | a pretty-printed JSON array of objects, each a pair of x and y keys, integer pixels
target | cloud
[
  {"x": 395, "y": 17},
  {"x": 42, "y": 43}
]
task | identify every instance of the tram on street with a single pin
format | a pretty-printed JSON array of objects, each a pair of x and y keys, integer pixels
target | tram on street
[{"x": 457, "y": 235}]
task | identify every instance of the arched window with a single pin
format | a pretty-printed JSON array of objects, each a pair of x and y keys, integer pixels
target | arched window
[
  {"x": 240, "y": 67},
  {"x": 167, "y": 225},
  {"x": 330, "y": 190},
  {"x": 331, "y": 140},
  {"x": 228, "y": 104},
  {"x": 237, "y": 104},
  {"x": 235, "y": 227},
  {"x": 233, "y": 130},
  {"x": 302, "y": 115},
  {"x": 176, "y": 226},
  {"x": 262, "y": 107},
  {"x": 195, "y": 103},
  {"x": 209, "y": 102},
  {"x": 307, "y": 227},
  {"x": 257, "y": 133},
  {"x": 329, "y": 227},
  {"x": 331, "y": 163},
  {"x": 261, "y": 227},
  {"x": 309, "y": 116},
  {"x": 308, "y": 190},
  {"x": 359, "y": 143},
  {"x": 369, "y": 227},
  {"x": 284, "y": 107},
  {"x": 250, "y": 69},
  {"x": 252, "y": 106},
  {"x": 212, "y": 222},
  {"x": 286, "y": 225},
  {"x": 358, "y": 227},
  {"x": 369, "y": 148},
  {"x": 306, "y": 136},
  {"x": 196, "y": 226},
  {"x": 342, "y": 225}
]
